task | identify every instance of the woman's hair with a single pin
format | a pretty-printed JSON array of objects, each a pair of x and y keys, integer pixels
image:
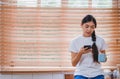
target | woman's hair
[{"x": 86, "y": 19}]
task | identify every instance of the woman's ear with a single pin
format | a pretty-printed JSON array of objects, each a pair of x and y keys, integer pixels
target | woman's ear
[{"x": 81, "y": 25}]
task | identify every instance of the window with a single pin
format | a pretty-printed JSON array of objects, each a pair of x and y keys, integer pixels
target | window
[
  {"x": 34, "y": 3},
  {"x": 78, "y": 3},
  {"x": 102, "y": 3},
  {"x": 27, "y": 3},
  {"x": 50, "y": 3},
  {"x": 35, "y": 34},
  {"x": 87, "y": 3}
]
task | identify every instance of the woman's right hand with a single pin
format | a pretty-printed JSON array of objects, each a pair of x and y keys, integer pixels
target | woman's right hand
[
  {"x": 85, "y": 50},
  {"x": 77, "y": 56}
]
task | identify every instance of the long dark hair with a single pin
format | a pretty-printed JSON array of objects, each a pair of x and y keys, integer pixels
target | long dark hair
[{"x": 86, "y": 19}]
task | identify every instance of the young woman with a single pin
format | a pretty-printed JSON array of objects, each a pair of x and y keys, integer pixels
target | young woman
[{"x": 84, "y": 58}]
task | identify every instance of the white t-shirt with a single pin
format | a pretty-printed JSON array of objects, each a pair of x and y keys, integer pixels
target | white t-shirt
[{"x": 86, "y": 66}]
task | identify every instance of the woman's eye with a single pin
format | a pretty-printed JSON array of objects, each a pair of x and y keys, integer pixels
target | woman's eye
[
  {"x": 86, "y": 26},
  {"x": 92, "y": 27}
]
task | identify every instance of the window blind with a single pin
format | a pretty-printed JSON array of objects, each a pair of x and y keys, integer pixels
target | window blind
[{"x": 35, "y": 34}]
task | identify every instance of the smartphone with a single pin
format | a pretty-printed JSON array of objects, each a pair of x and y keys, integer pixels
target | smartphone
[{"x": 87, "y": 46}]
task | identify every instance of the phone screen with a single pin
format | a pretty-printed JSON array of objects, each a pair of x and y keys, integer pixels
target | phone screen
[{"x": 88, "y": 46}]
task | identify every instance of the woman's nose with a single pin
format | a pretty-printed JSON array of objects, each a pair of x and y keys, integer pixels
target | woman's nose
[{"x": 89, "y": 29}]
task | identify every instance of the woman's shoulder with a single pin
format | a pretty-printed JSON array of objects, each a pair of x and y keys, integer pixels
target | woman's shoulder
[
  {"x": 77, "y": 38},
  {"x": 100, "y": 38}
]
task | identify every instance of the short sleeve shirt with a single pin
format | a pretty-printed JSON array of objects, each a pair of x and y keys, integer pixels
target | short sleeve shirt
[{"x": 86, "y": 66}]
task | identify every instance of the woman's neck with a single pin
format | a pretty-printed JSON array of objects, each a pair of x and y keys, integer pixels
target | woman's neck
[{"x": 86, "y": 35}]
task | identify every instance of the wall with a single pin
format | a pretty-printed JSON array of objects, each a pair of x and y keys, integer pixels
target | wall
[{"x": 50, "y": 75}]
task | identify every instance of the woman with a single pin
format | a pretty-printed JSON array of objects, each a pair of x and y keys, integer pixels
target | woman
[{"x": 85, "y": 58}]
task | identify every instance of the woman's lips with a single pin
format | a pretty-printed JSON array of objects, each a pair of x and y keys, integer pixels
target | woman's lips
[{"x": 88, "y": 32}]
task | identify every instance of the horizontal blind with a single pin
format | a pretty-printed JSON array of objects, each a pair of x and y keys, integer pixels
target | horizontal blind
[
  {"x": 0, "y": 36},
  {"x": 37, "y": 33}
]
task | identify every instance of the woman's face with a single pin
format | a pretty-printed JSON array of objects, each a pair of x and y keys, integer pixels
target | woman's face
[{"x": 88, "y": 28}]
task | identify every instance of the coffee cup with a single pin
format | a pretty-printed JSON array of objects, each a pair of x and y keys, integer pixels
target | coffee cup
[{"x": 102, "y": 57}]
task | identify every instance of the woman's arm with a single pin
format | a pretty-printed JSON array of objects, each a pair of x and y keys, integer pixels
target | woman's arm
[{"x": 75, "y": 57}]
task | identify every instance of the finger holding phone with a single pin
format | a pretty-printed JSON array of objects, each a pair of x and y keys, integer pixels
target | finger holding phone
[{"x": 86, "y": 49}]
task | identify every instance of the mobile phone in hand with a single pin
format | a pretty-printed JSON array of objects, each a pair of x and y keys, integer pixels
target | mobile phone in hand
[{"x": 87, "y": 46}]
